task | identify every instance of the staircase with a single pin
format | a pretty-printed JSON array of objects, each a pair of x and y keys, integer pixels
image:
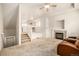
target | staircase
[{"x": 25, "y": 37}]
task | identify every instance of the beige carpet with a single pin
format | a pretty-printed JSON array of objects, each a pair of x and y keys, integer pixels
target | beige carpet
[{"x": 38, "y": 47}]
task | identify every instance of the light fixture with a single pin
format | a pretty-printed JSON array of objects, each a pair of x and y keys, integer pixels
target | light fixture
[{"x": 46, "y": 6}]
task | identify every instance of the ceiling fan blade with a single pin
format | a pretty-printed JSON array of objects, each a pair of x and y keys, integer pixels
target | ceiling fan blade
[
  {"x": 53, "y": 5},
  {"x": 46, "y": 3}
]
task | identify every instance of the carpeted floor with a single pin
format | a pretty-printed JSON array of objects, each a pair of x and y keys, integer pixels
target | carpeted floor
[{"x": 37, "y": 47}]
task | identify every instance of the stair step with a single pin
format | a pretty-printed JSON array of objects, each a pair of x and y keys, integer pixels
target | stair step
[
  {"x": 28, "y": 40},
  {"x": 25, "y": 38}
]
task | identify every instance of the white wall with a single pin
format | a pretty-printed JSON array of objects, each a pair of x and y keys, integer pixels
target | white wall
[
  {"x": 47, "y": 22},
  {"x": 1, "y": 25},
  {"x": 71, "y": 22}
]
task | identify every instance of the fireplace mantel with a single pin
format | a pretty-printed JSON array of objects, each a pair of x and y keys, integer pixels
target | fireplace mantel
[{"x": 60, "y": 30}]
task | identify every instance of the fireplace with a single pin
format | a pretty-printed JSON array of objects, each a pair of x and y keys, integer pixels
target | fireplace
[{"x": 59, "y": 35}]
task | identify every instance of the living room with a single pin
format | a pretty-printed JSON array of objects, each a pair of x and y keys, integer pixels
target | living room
[
  {"x": 41, "y": 27},
  {"x": 57, "y": 22}
]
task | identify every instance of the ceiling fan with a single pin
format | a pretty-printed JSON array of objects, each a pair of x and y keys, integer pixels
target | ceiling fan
[{"x": 47, "y": 6}]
